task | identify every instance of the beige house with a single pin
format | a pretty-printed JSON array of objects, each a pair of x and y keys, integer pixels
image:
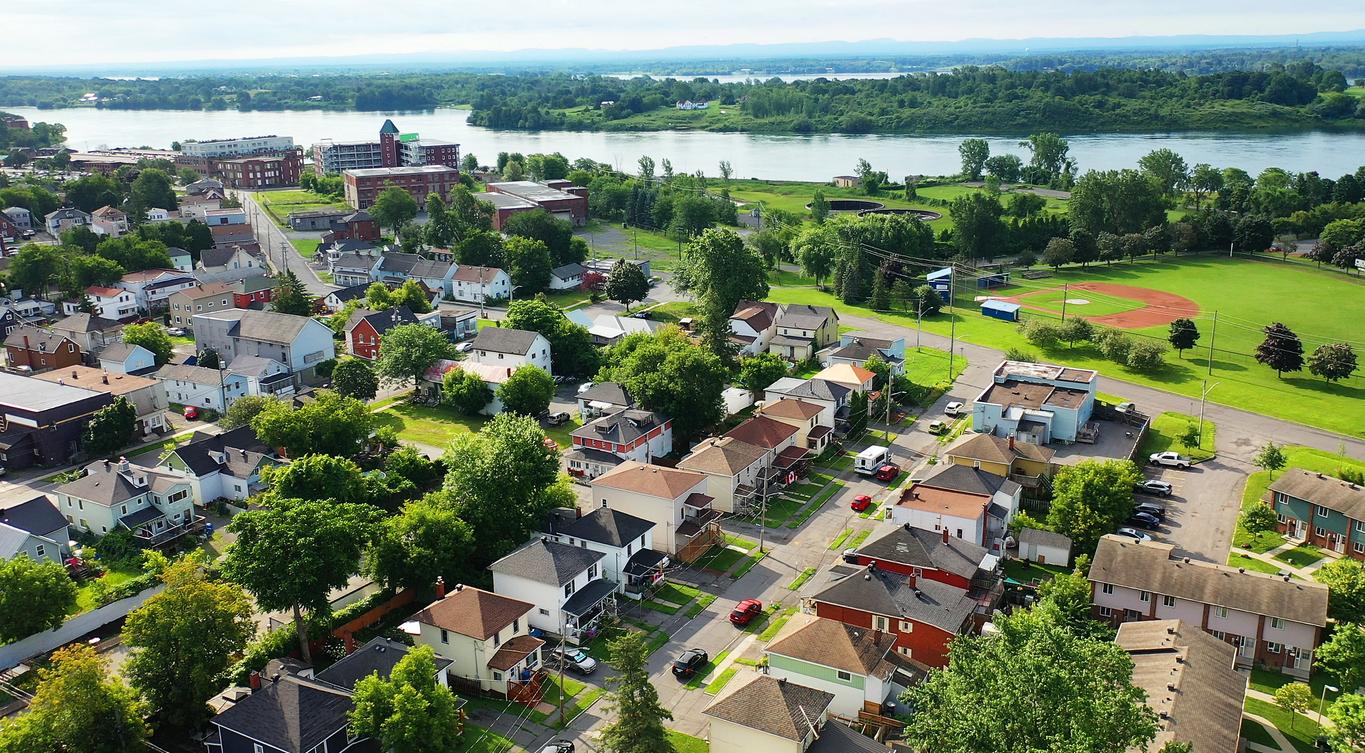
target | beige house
[
  {"x": 486, "y": 637},
  {"x": 213, "y": 296},
  {"x": 814, "y": 424},
  {"x": 148, "y": 396},
  {"x": 802, "y": 330},
  {"x": 852, "y": 376},
  {"x": 157, "y": 506},
  {"x": 1274, "y": 622},
  {"x": 674, "y": 499},
  {"x": 1190, "y": 681},
  {"x": 1024, "y": 463},
  {"x": 734, "y": 471},
  {"x": 760, "y": 713}
]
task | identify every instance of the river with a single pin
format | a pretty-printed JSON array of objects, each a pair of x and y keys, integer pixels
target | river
[{"x": 816, "y": 158}]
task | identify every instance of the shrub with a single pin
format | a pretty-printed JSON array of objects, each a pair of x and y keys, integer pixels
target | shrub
[
  {"x": 1043, "y": 333},
  {"x": 1114, "y": 345},
  {"x": 1021, "y": 355},
  {"x": 1146, "y": 356}
]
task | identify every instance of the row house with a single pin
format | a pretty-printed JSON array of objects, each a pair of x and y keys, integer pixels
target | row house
[
  {"x": 1274, "y": 621},
  {"x": 147, "y": 396},
  {"x": 737, "y": 472},
  {"x": 786, "y": 459},
  {"x": 604, "y": 443},
  {"x": 155, "y": 506},
  {"x": 1322, "y": 510},
  {"x": 673, "y": 499},
  {"x": 394, "y": 269},
  {"x": 967, "y": 502},
  {"x": 566, "y": 583}
]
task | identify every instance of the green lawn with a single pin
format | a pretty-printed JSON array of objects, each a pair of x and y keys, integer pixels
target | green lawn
[
  {"x": 278, "y": 204},
  {"x": 1255, "y": 732},
  {"x": 1236, "y": 288},
  {"x": 86, "y": 598},
  {"x": 801, "y": 578},
  {"x": 715, "y": 686},
  {"x": 436, "y": 426},
  {"x": 305, "y": 247},
  {"x": 814, "y": 505},
  {"x": 775, "y": 624},
  {"x": 687, "y": 743},
  {"x": 1165, "y": 432},
  {"x": 699, "y": 679},
  {"x": 479, "y": 740},
  {"x": 858, "y": 538},
  {"x": 600, "y": 647},
  {"x": 793, "y": 196},
  {"x": 1301, "y": 556},
  {"x": 1301, "y": 733},
  {"x": 838, "y": 541},
  {"x": 577, "y": 696},
  {"x": 670, "y": 313},
  {"x": 1252, "y": 564},
  {"x": 1027, "y": 572},
  {"x": 750, "y": 560},
  {"x": 1309, "y": 459}
]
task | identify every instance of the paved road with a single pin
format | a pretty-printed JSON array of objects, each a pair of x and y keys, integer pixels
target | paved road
[{"x": 278, "y": 249}]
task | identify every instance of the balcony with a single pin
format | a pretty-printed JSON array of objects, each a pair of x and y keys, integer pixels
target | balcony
[{"x": 147, "y": 538}]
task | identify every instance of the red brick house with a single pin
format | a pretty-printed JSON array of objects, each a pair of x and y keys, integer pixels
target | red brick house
[
  {"x": 366, "y": 328},
  {"x": 923, "y": 615},
  {"x": 40, "y": 350},
  {"x": 252, "y": 290},
  {"x": 356, "y": 226},
  {"x": 931, "y": 555}
]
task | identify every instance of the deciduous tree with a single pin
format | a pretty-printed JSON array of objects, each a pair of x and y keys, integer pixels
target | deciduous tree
[
  {"x": 1343, "y": 655},
  {"x": 1270, "y": 457},
  {"x": 78, "y": 708},
  {"x": 978, "y": 231},
  {"x": 1091, "y": 499},
  {"x": 1281, "y": 350},
  {"x": 1346, "y": 580},
  {"x": 626, "y": 283},
  {"x": 409, "y": 350},
  {"x": 1294, "y": 699},
  {"x": 316, "y": 476},
  {"x": 571, "y": 349},
  {"x": 426, "y": 540},
  {"x": 759, "y": 371},
  {"x": 528, "y": 391},
  {"x": 332, "y": 424},
  {"x": 668, "y": 373},
  {"x": 974, "y": 153},
  {"x": 151, "y": 336},
  {"x": 528, "y": 264},
  {"x": 1059, "y": 251},
  {"x": 353, "y": 377},
  {"x": 1167, "y": 168},
  {"x": 719, "y": 271},
  {"x": 465, "y": 391},
  {"x": 110, "y": 428},
  {"x": 243, "y": 409},
  {"x": 816, "y": 249},
  {"x": 1347, "y": 733},
  {"x": 1333, "y": 361},
  {"x": 393, "y": 208},
  {"x": 408, "y": 710},
  {"x": 1183, "y": 334},
  {"x": 34, "y": 596}
]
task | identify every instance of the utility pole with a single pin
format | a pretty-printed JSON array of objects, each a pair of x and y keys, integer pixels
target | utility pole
[
  {"x": 562, "y": 661},
  {"x": 1212, "y": 337},
  {"x": 919, "y": 320},
  {"x": 1065, "y": 290},
  {"x": 952, "y": 320},
  {"x": 762, "y": 508},
  {"x": 1203, "y": 397}
]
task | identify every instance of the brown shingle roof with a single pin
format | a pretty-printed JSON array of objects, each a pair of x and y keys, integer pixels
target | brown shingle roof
[
  {"x": 773, "y": 706},
  {"x": 991, "y": 448},
  {"x": 725, "y": 456},
  {"x": 762, "y": 431},
  {"x": 1322, "y": 489},
  {"x": 790, "y": 407},
  {"x": 1149, "y": 567},
  {"x": 757, "y": 314},
  {"x": 1190, "y": 681},
  {"x": 832, "y": 644},
  {"x": 473, "y": 612},
  {"x": 654, "y": 480},
  {"x": 513, "y": 652}
]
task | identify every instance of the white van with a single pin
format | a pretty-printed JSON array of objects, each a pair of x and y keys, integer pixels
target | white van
[{"x": 869, "y": 460}]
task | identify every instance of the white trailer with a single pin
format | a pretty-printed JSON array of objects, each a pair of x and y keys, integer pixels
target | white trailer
[{"x": 868, "y": 461}]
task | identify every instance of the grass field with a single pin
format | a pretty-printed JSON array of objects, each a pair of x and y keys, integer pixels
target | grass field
[
  {"x": 1166, "y": 430},
  {"x": 278, "y": 204},
  {"x": 687, "y": 743},
  {"x": 1301, "y": 731},
  {"x": 793, "y": 196},
  {"x": 1053, "y": 300},
  {"x": 1242, "y": 291},
  {"x": 436, "y": 426}
]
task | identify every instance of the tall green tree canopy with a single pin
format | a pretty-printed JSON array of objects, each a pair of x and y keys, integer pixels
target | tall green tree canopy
[
  {"x": 34, "y": 596},
  {"x": 78, "y": 708},
  {"x": 528, "y": 391},
  {"x": 978, "y": 230},
  {"x": 408, "y": 710},
  {"x": 626, "y": 283},
  {"x": 1346, "y": 580},
  {"x": 668, "y": 373},
  {"x": 393, "y": 208},
  {"x": 330, "y": 425},
  {"x": 571, "y": 350},
  {"x": 719, "y": 271},
  {"x": 1116, "y": 201},
  {"x": 111, "y": 427},
  {"x": 354, "y": 377},
  {"x": 1091, "y": 499},
  {"x": 974, "y": 153},
  {"x": 151, "y": 336},
  {"x": 639, "y": 723},
  {"x": 409, "y": 350},
  {"x": 424, "y": 541}
]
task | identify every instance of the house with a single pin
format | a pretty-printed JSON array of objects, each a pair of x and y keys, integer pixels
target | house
[
  {"x": 298, "y": 342},
  {"x": 832, "y": 397},
  {"x": 968, "y": 502},
  {"x": 1191, "y": 684},
  {"x": 923, "y": 615},
  {"x": 802, "y": 330},
  {"x": 628, "y": 434},
  {"x": 34, "y": 528},
  {"x": 356, "y": 226},
  {"x": 1323, "y": 510},
  {"x": 626, "y": 542},
  {"x": 225, "y": 216},
  {"x": 221, "y": 466},
  {"x": 849, "y": 663},
  {"x": 607, "y": 330},
  {"x": 510, "y": 348},
  {"x": 153, "y": 288},
  {"x": 105, "y": 302},
  {"x": 37, "y": 350},
  {"x": 122, "y": 358},
  {"x": 855, "y": 378},
  {"x": 933, "y": 556},
  {"x": 15, "y": 307},
  {"x": 806, "y": 417},
  {"x": 351, "y": 263},
  {"x": 846, "y": 181},
  {"x": 487, "y": 638},
  {"x": 10, "y": 319},
  {"x": 264, "y": 376},
  {"x": 471, "y": 284},
  {"x": 203, "y": 186},
  {"x": 673, "y": 499},
  {"x": 1274, "y": 622},
  {"x": 1038, "y": 403},
  {"x": 458, "y": 323},
  {"x": 89, "y": 331},
  {"x": 603, "y": 398},
  {"x": 230, "y": 262},
  {"x": 43, "y": 421},
  {"x": 565, "y": 582},
  {"x": 109, "y": 221},
  {"x": 778, "y": 440},
  {"x": 567, "y": 277},
  {"x": 202, "y": 387},
  {"x": 157, "y": 214},
  {"x": 365, "y": 328},
  {"x": 148, "y": 396},
  {"x": 315, "y": 219},
  {"x": 736, "y": 472},
  {"x": 194, "y": 207},
  {"x": 1044, "y": 547},
  {"x": 854, "y": 349},
  {"x": 154, "y": 505},
  {"x": 64, "y": 219},
  {"x": 772, "y": 715},
  {"x": 20, "y": 217},
  {"x": 395, "y": 268},
  {"x": 293, "y": 711},
  {"x": 212, "y": 296},
  {"x": 336, "y": 300},
  {"x": 1029, "y": 465},
  {"x": 752, "y": 326}
]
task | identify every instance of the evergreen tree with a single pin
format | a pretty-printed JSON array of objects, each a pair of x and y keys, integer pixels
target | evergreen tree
[
  {"x": 291, "y": 297},
  {"x": 639, "y": 725},
  {"x": 881, "y": 291}
]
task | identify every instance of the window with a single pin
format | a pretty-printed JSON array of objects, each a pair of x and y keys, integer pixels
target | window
[
  {"x": 1276, "y": 623},
  {"x": 497, "y": 640},
  {"x": 905, "y": 651},
  {"x": 1145, "y": 596},
  {"x": 568, "y": 589},
  {"x": 1106, "y": 612},
  {"x": 907, "y": 627},
  {"x": 1358, "y": 547},
  {"x": 1167, "y": 601},
  {"x": 1220, "y": 612},
  {"x": 497, "y": 675},
  {"x": 40, "y": 551},
  {"x": 1360, "y": 526},
  {"x": 256, "y": 748},
  {"x": 1320, "y": 531},
  {"x": 1272, "y": 647},
  {"x": 592, "y": 569},
  {"x": 1321, "y": 511},
  {"x": 445, "y": 635},
  {"x": 1220, "y": 635},
  {"x": 879, "y": 622},
  {"x": 1107, "y": 588},
  {"x": 845, "y": 676},
  {"x": 516, "y": 625},
  {"x": 1131, "y": 614},
  {"x": 544, "y": 613}
]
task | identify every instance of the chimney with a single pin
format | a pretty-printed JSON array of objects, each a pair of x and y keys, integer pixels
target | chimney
[
  {"x": 123, "y": 464},
  {"x": 459, "y": 587},
  {"x": 107, "y": 464},
  {"x": 275, "y": 678},
  {"x": 441, "y": 587},
  {"x": 913, "y": 583},
  {"x": 1170, "y": 686},
  {"x": 781, "y": 681},
  {"x": 1011, "y": 443},
  {"x": 1170, "y": 630},
  {"x": 945, "y": 534},
  {"x": 876, "y": 637},
  {"x": 254, "y": 680},
  {"x": 104, "y": 378}
]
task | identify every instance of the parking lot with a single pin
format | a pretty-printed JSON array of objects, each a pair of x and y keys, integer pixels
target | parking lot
[{"x": 1201, "y": 511}]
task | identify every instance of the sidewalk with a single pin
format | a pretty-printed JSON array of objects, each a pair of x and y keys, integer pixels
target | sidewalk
[
  {"x": 1280, "y": 739},
  {"x": 1305, "y": 573}
]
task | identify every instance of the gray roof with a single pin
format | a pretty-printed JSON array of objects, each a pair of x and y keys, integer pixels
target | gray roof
[
  {"x": 292, "y": 714},
  {"x": 206, "y": 453},
  {"x": 530, "y": 190},
  {"x": 412, "y": 265},
  {"x": 804, "y": 316},
  {"x": 547, "y": 561},
  {"x": 820, "y": 389},
  {"x": 917, "y": 547},
  {"x": 504, "y": 340},
  {"x": 605, "y": 526},
  {"x": 382, "y": 321},
  {"x": 352, "y": 293},
  {"x": 103, "y": 485},
  {"x": 607, "y": 392},
  {"x": 252, "y": 366},
  {"x": 567, "y": 271},
  {"x": 585, "y": 598},
  {"x": 180, "y": 372},
  {"x": 12, "y": 540},
  {"x": 504, "y": 200},
  {"x": 1044, "y": 538},
  {"x": 263, "y": 326},
  {"x": 85, "y": 323},
  {"x": 38, "y": 394},
  {"x": 836, "y": 737},
  {"x": 120, "y": 351},
  {"x": 963, "y": 478},
  {"x": 1323, "y": 489},
  {"x": 37, "y": 515},
  {"x": 874, "y": 590},
  {"x": 219, "y": 256},
  {"x": 622, "y": 427},
  {"x": 774, "y": 706},
  {"x": 378, "y": 655},
  {"x": 32, "y": 338}
]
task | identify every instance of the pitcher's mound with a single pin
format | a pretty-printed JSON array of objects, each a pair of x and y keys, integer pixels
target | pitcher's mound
[{"x": 1077, "y": 301}]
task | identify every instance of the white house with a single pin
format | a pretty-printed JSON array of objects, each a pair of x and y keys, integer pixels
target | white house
[
  {"x": 181, "y": 259},
  {"x": 471, "y": 284},
  {"x": 565, "y": 583},
  {"x": 65, "y": 219},
  {"x": 675, "y": 500},
  {"x": 752, "y": 326},
  {"x": 763, "y": 713},
  {"x": 607, "y": 329},
  {"x": 971, "y": 504},
  {"x": 201, "y": 387},
  {"x": 848, "y": 662},
  {"x": 109, "y": 221},
  {"x": 157, "y": 214},
  {"x": 108, "y": 303},
  {"x": 33, "y": 528},
  {"x": 855, "y": 348},
  {"x": 229, "y": 263},
  {"x": 510, "y": 348},
  {"x": 486, "y": 637},
  {"x": 734, "y": 471},
  {"x": 264, "y": 376},
  {"x": 122, "y": 358},
  {"x": 152, "y": 288},
  {"x": 625, "y": 541},
  {"x": 220, "y": 466},
  {"x": 154, "y": 505},
  {"x": 567, "y": 277}
]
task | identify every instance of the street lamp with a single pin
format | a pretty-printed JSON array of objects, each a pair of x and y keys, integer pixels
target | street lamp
[
  {"x": 1323, "y": 701},
  {"x": 1203, "y": 397}
]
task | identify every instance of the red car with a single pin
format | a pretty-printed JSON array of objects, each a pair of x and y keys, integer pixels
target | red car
[
  {"x": 888, "y": 472},
  {"x": 191, "y": 413},
  {"x": 746, "y": 611},
  {"x": 860, "y": 503}
]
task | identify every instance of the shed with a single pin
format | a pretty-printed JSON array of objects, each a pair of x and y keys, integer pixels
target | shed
[
  {"x": 1003, "y": 310},
  {"x": 736, "y": 399},
  {"x": 1044, "y": 547},
  {"x": 941, "y": 280}
]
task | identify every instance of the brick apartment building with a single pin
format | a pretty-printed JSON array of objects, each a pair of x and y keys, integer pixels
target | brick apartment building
[
  {"x": 362, "y": 186},
  {"x": 559, "y": 198},
  {"x": 259, "y": 171}
]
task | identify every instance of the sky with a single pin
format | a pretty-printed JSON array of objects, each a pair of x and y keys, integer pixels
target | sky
[{"x": 98, "y": 32}]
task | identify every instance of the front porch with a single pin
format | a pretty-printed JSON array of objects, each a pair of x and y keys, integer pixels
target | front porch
[
  {"x": 584, "y": 610},
  {"x": 152, "y": 530},
  {"x": 698, "y": 532}
]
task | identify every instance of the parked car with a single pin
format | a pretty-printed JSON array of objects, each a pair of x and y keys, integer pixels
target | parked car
[
  {"x": 953, "y": 408},
  {"x": 1125, "y": 408},
  {"x": 584, "y": 387},
  {"x": 1134, "y": 534},
  {"x": 1140, "y": 519},
  {"x": 745, "y": 611},
  {"x": 463, "y": 347},
  {"x": 1154, "y": 486},
  {"x": 851, "y": 555},
  {"x": 1151, "y": 508},
  {"x": 937, "y": 427},
  {"x": 1169, "y": 459},
  {"x": 191, "y": 413},
  {"x": 176, "y": 331},
  {"x": 558, "y": 746},
  {"x": 558, "y": 418},
  {"x": 574, "y": 658},
  {"x": 888, "y": 472},
  {"x": 688, "y": 662},
  {"x": 643, "y": 315},
  {"x": 860, "y": 503}
]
